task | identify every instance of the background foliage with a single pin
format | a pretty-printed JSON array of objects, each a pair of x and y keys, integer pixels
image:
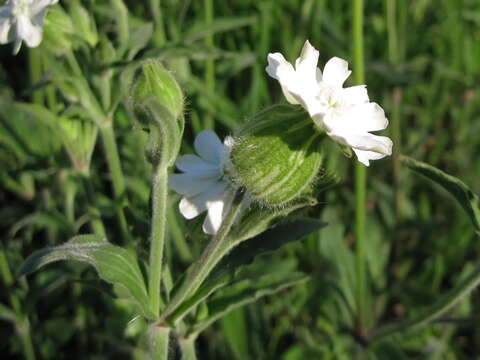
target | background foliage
[{"x": 422, "y": 66}]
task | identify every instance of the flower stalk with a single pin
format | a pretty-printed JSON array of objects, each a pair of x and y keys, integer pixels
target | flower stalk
[
  {"x": 157, "y": 237},
  {"x": 360, "y": 177},
  {"x": 220, "y": 245},
  {"x": 187, "y": 347},
  {"x": 159, "y": 342}
]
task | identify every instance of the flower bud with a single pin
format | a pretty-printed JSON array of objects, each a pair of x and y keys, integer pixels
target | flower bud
[
  {"x": 276, "y": 155},
  {"x": 157, "y": 102},
  {"x": 157, "y": 82}
]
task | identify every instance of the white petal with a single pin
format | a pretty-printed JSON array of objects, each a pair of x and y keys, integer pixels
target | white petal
[
  {"x": 188, "y": 185},
  {"x": 358, "y": 119},
  {"x": 195, "y": 166},
  {"x": 306, "y": 67},
  {"x": 336, "y": 72},
  {"x": 16, "y": 46},
  {"x": 30, "y": 33},
  {"x": 367, "y": 117},
  {"x": 217, "y": 210},
  {"x": 355, "y": 95},
  {"x": 366, "y": 142},
  {"x": 39, "y": 6},
  {"x": 280, "y": 69},
  {"x": 5, "y": 27},
  {"x": 190, "y": 207},
  {"x": 208, "y": 146},
  {"x": 365, "y": 156}
]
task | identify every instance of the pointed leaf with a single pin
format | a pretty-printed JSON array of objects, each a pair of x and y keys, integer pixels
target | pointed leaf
[
  {"x": 113, "y": 264},
  {"x": 244, "y": 254},
  {"x": 457, "y": 188},
  {"x": 245, "y": 292}
]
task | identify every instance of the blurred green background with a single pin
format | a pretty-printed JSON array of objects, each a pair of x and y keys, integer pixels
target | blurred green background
[{"x": 422, "y": 62}]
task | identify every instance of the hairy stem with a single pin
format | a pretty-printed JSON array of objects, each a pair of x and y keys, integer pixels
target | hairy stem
[
  {"x": 212, "y": 254},
  {"x": 159, "y": 342},
  {"x": 157, "y": 235},
  {"x": 187, "y": 347}
]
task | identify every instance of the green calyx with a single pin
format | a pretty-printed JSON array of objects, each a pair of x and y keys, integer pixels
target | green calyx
[{"x": 276, "y": 155}]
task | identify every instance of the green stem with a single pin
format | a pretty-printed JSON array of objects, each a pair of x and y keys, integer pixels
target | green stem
[
  {"x": 94, "y": 214},
  {"x": 118, "y": 181},
  {"x": 212, "y": 254},
  {"x": 27, "y": 345},
  {"x": 187, "y": 347},
  {"x": 35, "y": 68},
  {"x": 159, "y": 342},
  {"x": 157, "y": 236},
  {"x": 360, "y": 176},
  {"x": 209, "y": 64},
  {"x": 444, "y": 304},
  {"x": 396, "y": 96},
  {"x": 156, "y": 9}
]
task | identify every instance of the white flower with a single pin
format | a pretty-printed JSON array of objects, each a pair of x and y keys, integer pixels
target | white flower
[
  {"x": 22, "y": 20},
  {"x": 203, "y": 182},
  {"x": 346, "y": 114}
]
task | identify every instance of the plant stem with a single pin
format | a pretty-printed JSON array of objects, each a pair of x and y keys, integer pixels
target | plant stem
[
  {"x": 118, "y": 181},
  {"x": 159, "y": 342},
  {"x": 156, "y": 8},
  {"x": 95, "y": 217},
  {"x": 35, "y": 68},
  {"x": 394, "y": 55},
  {"x": 212, "y": 254},
  {"x": 187, "y": 347},
  {"x": 157, "y": 235},
  {"x": 438, "y": 309},
  {"x": 360, "y": 175},
  {"x": 27, "y": 345},
  {"x": 209, "y": 64}
]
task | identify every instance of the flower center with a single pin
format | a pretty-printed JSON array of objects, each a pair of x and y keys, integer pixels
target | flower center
[
  {"x": 329, "y": 99},
  {"x": 226, "y": 165}
]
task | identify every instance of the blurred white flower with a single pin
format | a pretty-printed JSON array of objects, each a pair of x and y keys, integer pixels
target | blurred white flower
[
  {"x": 346, "y": 114},
  {"x": 22, "y": 20},
  {"x": 203, "y": 183}
]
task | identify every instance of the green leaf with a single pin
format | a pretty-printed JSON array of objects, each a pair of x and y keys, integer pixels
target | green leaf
[
  {"x": 113, "y": 264},
  {"x": 467, "y": 199},
  {"x": 244, "y": 254},
  {"x": 245, "y": 292},
  {"x": 270, "y": 240},
  {"x": 200, "y": 31},
  {"x": 17, "y": 129},
  {"x": 139, "y": 39}
]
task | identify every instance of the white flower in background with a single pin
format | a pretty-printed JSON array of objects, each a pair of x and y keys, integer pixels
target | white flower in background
[
  {"x": 204, "y": 183},
  {"x": 346, "y": 114},
  {"x": 22, "y": 20}
]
